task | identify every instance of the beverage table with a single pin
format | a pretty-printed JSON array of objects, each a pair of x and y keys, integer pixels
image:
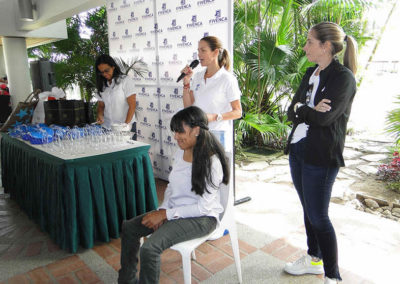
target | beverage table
[{"x": 82, "y": 199}]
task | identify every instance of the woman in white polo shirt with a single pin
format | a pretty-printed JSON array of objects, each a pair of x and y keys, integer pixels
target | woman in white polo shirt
[
  {"x": 117, "y": 94},
  {"x": 215, "y": 90}
]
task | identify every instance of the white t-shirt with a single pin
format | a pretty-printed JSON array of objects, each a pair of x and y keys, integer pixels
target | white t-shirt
[
  {"x": 179, "y": 199},
  {"x": 114, "y": 97},
  {"x": 215, "y": 95},
  {"x": 302, "y": 128}
]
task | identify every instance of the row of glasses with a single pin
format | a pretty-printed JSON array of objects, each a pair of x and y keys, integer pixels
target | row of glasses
[{"x": 72, "y": 141}]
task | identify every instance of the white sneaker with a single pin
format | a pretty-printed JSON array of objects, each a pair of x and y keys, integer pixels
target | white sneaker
[
  {"x": 304, "y": 265},
  {"x": 330, "y": 281}
]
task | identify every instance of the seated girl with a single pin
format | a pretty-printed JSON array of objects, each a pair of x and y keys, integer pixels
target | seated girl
[{"x": 191, "y": 203}]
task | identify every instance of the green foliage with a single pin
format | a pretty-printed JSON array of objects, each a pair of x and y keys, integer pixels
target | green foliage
[
  {"x": 269, "y": 60},
  {"x": 75, "y": 57},
  {"x": 393, "y": 122}
]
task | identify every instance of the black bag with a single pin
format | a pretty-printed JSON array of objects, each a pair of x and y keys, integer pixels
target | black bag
[
  {"x": 22, "y": 113},
  {"x": 89, "y": 112},
  {"x": 65, "y": 112},
  {"x": 51, "y": 115},
  {"x": 5, "y": 108}
]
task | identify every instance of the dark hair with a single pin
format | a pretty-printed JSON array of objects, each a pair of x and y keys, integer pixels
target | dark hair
[
  {"x": 332, "y": 32},
  {"x": 223, "y": 57},
  {"x": 100, "y": 80},
  {"x": 206, "y": 146}
]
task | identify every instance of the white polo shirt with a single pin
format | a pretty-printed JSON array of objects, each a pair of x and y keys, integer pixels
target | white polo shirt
[
  {"x": 215, "y": 95},
  {"x": 114, "y": 97},
  {"x": 179, "y": 199}
]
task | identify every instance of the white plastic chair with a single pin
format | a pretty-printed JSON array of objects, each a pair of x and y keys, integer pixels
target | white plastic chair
[{"x": 227, "y": 221}]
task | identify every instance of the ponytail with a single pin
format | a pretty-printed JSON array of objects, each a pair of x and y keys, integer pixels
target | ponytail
[
  {"x": 350, "y": 54},
  {"x": 224, "y": 59},
  {"x": 214, "y": 43}
]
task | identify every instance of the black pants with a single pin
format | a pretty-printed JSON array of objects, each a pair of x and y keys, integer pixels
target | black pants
[{"x": 314, "y": 187}]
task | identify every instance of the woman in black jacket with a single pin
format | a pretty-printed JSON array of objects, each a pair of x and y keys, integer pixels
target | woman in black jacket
[{"x": 319, "y": 111}]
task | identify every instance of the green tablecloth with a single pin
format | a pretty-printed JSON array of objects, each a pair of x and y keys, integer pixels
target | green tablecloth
[{"x": 78, "y": 201}]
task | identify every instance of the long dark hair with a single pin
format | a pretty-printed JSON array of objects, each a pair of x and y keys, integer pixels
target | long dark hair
[
  {"x": 223, "y": 55},
  {"x": 100, "y": 80},
  {"x": 206, "y": 146}
]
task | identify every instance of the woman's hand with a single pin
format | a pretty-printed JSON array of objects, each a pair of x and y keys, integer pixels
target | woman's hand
[
  {"x": 154, "y": 219},
  {"x": 100, "y": 119},
  {"x": 188, "y": 74},
  {"x": 323, "y": 106}
]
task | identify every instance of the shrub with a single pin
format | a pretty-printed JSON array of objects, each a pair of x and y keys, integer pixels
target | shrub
[{"x": 390, "y": 173}]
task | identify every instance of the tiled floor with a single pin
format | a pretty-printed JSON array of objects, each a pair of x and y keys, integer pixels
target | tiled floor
[{"x": 21, "y": 242}]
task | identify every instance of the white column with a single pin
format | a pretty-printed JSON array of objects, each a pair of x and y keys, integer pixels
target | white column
[
  {"x": 2, "y": 65},
  {"x": 17, "y": 68}
]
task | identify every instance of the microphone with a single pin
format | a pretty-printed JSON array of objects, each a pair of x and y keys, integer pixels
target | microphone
[{"x": 192, "y": 65}]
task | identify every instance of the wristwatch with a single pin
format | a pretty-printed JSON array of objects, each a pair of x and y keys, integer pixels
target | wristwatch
[{"x": 219, "y": 117}]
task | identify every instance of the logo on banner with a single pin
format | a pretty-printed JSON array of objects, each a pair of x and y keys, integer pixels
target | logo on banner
[
  {"x": 119, "y": 20},
  {"x": 150, "y": 76},
  {"x": 166, "y": 77},
  {"x": 183, "y": 6},
  {"x": 143, "y": 93},
  {"x": 127, "y": 34},
  {"x": 140, "y": 32},
  {"x": 160, "y": 125},
  {"x": 138, "y": 106},
  {"x": 158, "y": 62},
  {"x": 164, "y": 10},
  {"x": 169, "y": 170},
  {"x": 137, "y": 2},
  {"x": 165, "y": 44},
  {"x": 139, "y": 134},
  {"x": 194, "y": 23},
  {"x": 125, "y": 4},
  {"x": 112, "y": 8},
  {"x": 114, "y": 36},
  {"x": 149, "y": 47},
  {"x": 132, "y": 18},
  {"x": 147, "y": 14},
  {"x": 206, "y": 34},
  {"x": 121, "y": 49},
  {"x": 162, "y": 156},
  {"x": 174, "y": 26},
  {"x": 145, "y": 123},
  {"x": 136, "y": 77},
  {"x": 156, "y": 29},
  {"x": 153, "y": 138},
  {"x": 184, "y": 43},
  {"x": 175, "y": 94},
  {"x": 134, "y": 49},
  {"x": 194, "y": 55},
  {"x": 204, "y": 2},
  {"x": 175, "y": 60},
  {"x": 218, "y": 18},
  {"x": 169, "y": 141},
  {"x": 158, "y": 94},
  {"x": 167, "y": 109},
  {"x": 152, "y": 108},
  {"x": 156, "y": 167}
]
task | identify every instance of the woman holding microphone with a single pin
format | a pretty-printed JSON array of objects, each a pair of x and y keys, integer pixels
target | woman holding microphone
[{"x": 215, "y": 90}]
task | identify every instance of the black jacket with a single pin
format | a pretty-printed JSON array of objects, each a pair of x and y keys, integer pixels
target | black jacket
[{"x": 326, "y": 134}]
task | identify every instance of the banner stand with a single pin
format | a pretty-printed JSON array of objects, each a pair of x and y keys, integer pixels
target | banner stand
[{"x": 244, "y": 199}]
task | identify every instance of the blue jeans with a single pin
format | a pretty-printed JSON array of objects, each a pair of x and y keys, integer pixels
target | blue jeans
[
  {"x": 314, "y": 187},
  {"x": 170, "y": 233}
]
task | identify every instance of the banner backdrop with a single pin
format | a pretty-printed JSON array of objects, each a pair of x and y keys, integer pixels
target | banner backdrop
[{"x": 165, "y": 35}]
